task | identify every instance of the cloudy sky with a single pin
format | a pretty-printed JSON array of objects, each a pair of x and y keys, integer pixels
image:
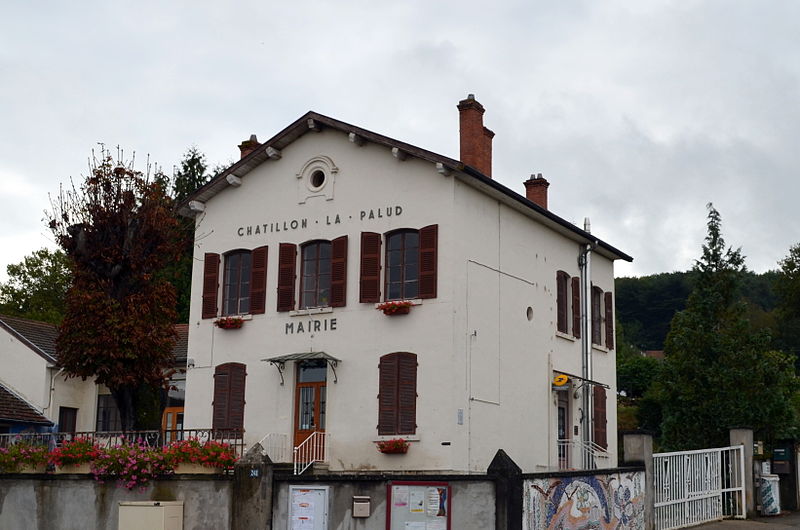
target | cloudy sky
[{"x": 638, "y": 113}]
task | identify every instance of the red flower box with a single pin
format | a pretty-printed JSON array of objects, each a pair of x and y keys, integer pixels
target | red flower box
[
  {"x": 397, "y": 446},
  {"x": 229, "y": 322},
  {"x": 395, "y": 307}
]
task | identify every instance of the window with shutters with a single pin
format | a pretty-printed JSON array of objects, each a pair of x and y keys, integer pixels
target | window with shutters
[
  {"x": 236, "y": 289},
  {"x": 568, "y": 304},
  {"x": 323, "y": 274},
  {"x": 244, "y": 285},
  {"x": 409, "y": 264},
  {"x": 228, "y": 404},
  {"x": 397, "y": 394}
]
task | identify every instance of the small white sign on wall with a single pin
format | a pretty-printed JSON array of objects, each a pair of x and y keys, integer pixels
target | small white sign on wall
[{"x": 308, "y": 507}]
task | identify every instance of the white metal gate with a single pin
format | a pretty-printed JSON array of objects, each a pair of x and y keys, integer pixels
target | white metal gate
[{"x": 694, "y": 487}]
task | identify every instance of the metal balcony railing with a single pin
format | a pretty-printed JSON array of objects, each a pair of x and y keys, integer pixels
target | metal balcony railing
[{"x": 153, "y": 439}]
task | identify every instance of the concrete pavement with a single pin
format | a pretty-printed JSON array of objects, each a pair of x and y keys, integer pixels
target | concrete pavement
[{"x": 779, "y": 522}]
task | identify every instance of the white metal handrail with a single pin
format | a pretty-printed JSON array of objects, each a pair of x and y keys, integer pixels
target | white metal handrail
[
  {"x": 587, "y": 457},
  {"x": 276, "y": 446},
  {"x": 313, "y": 449}
]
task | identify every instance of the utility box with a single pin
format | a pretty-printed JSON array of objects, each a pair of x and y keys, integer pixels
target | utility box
[{"x": 151, "y": 515}]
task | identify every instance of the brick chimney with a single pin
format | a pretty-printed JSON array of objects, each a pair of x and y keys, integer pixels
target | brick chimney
[
  {"x": 476, "y": 140},
  {"x": 248, "y": 146},
  {"x": 536, "y": 190}
]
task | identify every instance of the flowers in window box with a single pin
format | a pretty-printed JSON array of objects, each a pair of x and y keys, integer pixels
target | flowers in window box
[
  {"x": 393, "y": 446},
  {"x": 74, "y": 452},
  {"x": 395, "y": 307},
  {"x": 208, "y": 454},
  {"x": 229, "y": 322},
  {"x": 22, "y": 455}
]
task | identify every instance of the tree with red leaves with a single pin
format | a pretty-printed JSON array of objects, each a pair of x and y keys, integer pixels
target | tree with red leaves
[{"x": 119, "y": 230}]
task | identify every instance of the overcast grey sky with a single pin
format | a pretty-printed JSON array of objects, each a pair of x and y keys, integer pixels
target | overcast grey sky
[{"x": 638, "y": 113}]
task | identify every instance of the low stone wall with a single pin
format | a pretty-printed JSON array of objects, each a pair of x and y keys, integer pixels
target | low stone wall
[
  {"x": 606, "y": 499},
  {"x": 69, "y": 502},
  {"x": 472, "y": 499}
]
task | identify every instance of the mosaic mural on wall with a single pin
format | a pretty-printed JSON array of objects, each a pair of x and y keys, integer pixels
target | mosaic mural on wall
[{"x": 614, "y": 501}]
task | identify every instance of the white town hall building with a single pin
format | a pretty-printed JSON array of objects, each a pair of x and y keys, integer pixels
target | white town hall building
[{"x": 311, "y": 231}]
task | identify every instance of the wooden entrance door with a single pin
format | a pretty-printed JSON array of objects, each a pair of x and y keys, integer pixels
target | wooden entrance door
[{"x": 310, "y": 399}]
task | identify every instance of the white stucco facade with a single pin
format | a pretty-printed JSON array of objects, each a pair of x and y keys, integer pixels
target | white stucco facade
[
  {"x": 486, "y": 345},
  {"x": 34, "y": 377}
]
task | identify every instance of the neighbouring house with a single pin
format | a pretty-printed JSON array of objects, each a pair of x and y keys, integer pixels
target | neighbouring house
[
  {"x": 31, "y": 376},
  {"x": 350, "y": 289}
]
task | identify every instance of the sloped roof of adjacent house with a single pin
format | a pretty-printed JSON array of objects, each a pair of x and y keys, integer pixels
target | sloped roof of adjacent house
[
  {"x": 41, "y": 337},
  {"x": 14, "y": 408},
  {"x": 312, "y": 121},
  {"x": 38, "y": 336}
]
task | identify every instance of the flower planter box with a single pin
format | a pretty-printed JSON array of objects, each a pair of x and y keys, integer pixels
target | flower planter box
[
  {"x": 38, "y": 469},
  {"x": 82, "y": 469},
  {"x": 398, "y": 311},
  {"x": 397, "y": 446},
  {"x": 229, "y": 322},
  {"x": 196, "y": 469},
  {"x": 393, "y": 450}
]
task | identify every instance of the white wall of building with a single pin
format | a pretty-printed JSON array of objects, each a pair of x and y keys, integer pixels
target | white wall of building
[{"x": 484, "y": 367}]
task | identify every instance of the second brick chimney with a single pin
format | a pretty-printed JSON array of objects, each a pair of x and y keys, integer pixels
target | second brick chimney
[
  {"x": 476, "y": 140},
  {"x": 536, "y": 190},
  {"x": 248, "y": 146}
]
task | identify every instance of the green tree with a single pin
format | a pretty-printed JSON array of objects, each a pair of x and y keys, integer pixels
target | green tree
[
  {"x": 787, "y": 290},
  {"x": 37, "y": 286},
  {"x": 719, "y": 371},
  {"x": 119, "y": 231},
  {"x": 189, "y": 177}
]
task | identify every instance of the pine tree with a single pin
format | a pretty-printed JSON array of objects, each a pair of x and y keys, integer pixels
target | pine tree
[{"x": 719, "y": 371}]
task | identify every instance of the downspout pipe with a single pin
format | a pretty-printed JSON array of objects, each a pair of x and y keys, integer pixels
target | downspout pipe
[{"x": 585, "y": 266}]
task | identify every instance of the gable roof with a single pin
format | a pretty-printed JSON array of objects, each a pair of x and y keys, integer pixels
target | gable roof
[
  {"x": 38, "y": 336},
  {"x": 14, "y": 408},
  {"x": 41, "y": 337},
  {"x": 312, "y": 121}
]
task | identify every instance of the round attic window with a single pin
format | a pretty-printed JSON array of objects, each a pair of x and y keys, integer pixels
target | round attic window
[{"x": 317, "y": 179}]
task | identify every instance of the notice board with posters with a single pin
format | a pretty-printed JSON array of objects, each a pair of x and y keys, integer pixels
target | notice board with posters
[{"x": 418, "y": 506}]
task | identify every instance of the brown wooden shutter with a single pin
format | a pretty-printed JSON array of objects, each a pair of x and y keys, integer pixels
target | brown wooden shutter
[
  {"x": 238, "y": 374},
  {"x": 370, "y": 274},
  {"x": 287, "y": 263},
  {"x": 258, "y": 281},
  {"x": 576, "y": 307},
  {"x": 210, "y": 285},
  {"x": 600, "y": 417},
  {"x": 387, "y": 394},
  {"x": 339, "y": 272},
  {"x": 596, "y": 317},
  {"x": 406, "y": 393},
  {"x": 428, "y": 243},
  {"x": 221, "y": 393},
  {"x": 609, "y": 313},
  {"x": 228, "y": 405},
  {"x": 562, "y": 282}
]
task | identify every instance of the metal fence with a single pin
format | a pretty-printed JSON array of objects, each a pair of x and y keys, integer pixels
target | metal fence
[
  {"x": 694, "y": 487},
  {"x": 153, "y": 439}
]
